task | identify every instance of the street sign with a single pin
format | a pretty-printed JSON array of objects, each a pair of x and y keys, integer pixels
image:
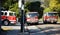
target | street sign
[
  {"x": 19, "y": 3},
  {"x": 22, "y": 7}
]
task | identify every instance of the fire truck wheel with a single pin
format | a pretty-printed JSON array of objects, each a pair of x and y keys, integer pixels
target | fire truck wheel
[
  {"x": 28, "y": 24},
  {"x": 45, "y": 22},
  {"x": 6, "y": 22}
]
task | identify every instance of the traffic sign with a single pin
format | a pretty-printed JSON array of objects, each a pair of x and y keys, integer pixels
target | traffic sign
[{"x": 19, "y": 3}]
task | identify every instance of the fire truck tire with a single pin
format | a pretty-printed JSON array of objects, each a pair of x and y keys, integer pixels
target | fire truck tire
[
  {"x": 45, "y": 22},
  {"x": 28, "y": 24},
  {"x": 55, "y": 22},
  {"x": 6, "y": 22}
]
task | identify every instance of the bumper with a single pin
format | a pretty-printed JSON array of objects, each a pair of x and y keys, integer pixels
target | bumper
[
  {"x": 51, "y": 21},
  {"x": 13, "y": 22},
  {"x": 33, "y": 22}
]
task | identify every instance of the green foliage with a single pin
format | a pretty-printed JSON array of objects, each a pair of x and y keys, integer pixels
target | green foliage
[
  {"x": 46, "y": 3},
  {"x": 26, "y": 4},
  {"x": 57, "y": 8},
  {"x": 47, "y": 10},
  {"x": 11, "y": 5},
  {"x": 6, "y": 4},
  {"x": 14, "y": 8},
  {"x": 26, "y": 7},
  {"x": 54, "y": 5},
  {"x": 35, "y": 7}
]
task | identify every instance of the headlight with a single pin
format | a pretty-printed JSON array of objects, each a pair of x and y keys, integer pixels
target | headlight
[
  {"x": 48, "y": 19},
  {"x": 55, "y": 19}
]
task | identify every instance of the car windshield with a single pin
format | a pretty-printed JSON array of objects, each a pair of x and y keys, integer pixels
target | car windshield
[
  {"x": 52, "y": 14},
  {"x": 33, "y": 14}
]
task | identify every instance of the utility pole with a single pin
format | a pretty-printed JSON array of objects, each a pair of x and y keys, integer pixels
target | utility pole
[
  {"x": 0, "y": 16},
  {"x": 21, "y": 9}
]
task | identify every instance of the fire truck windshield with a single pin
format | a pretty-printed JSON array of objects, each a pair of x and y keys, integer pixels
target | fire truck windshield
[
  {"x": 1, "y": 13},
  {"x": 5, "y": 13},
  {"x": 52, "y": 14},
  {"x": 33, "y": 14},
  {"x": 12, "y": 14}
]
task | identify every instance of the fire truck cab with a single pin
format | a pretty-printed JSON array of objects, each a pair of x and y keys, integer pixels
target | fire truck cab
[{"x": 8, "y": 17}]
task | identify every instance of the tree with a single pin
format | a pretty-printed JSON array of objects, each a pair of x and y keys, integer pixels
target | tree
[
  {"x": 14, "y": 8},
  {"x": 35, "y": 7},
  {"x": 26, "y": 7},
  {"x": 46, "y": 3},
  {"x": 7, "y": 3},
  {"x": 10, "y": 5},
  {"x": 47, "y": 10},
  {"x": 53, "y": 4}
]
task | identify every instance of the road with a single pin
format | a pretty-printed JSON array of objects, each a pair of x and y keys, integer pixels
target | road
[{"x": 44, "y": 29}]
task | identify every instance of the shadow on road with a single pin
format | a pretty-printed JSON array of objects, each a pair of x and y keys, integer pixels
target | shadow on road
[
  {"x": 53, "y": 32},
  {"x": 3, "y": 32},
  {"x": 50, "y": 31}
]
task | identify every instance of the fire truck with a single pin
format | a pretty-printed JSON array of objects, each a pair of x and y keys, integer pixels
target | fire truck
[
  {"x": 8, "y": 17},
  {"x": 50, "y": 17},
  {"x": 32, "y": 18}
]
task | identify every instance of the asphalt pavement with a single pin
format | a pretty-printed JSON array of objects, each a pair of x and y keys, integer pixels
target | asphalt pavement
[
  {"x": 17, "y": 32},
  {"x": 45, "y": 29}
]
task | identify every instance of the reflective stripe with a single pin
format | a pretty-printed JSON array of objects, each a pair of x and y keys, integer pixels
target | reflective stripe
[{"x": 12, "y": 20}]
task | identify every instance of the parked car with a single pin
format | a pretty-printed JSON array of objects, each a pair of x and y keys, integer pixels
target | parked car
[
  {"x": 51, "y": 17},
  {"x": 32, "y": 17}
]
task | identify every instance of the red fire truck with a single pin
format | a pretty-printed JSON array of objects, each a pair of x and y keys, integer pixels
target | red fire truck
[
  {"x": 51, "y": 17},
  {"x": 32, "y": 18},
  {"x": 8, "y": 17}
]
